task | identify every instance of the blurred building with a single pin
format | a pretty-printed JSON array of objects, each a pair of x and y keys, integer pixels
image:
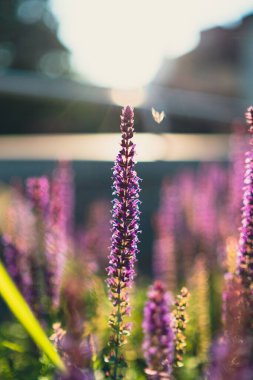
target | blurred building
[
  {"x": 213, "y": 82},
  {"x": 203, "y": 91}
]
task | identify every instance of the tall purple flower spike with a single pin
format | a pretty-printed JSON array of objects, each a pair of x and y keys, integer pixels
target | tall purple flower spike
[
  {"x": 158, "y": 345},
  {"x": 125, "y": 228},
  {"x": 246, "y": 234}
]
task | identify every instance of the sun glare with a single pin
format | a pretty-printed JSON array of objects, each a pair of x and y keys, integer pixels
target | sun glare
[
  {"x": 135, "y": 97},
  {"x": 122, "y": 44}
]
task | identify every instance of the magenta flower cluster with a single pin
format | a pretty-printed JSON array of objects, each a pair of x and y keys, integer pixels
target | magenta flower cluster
[{"x": 158, "y": 345}]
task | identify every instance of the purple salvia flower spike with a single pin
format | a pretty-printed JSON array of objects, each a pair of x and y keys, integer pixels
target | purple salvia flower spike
[
  {"x": 125, "y": 228},
  {"x": 245, "y": 265},
  {"x": 158, "y": 345}
]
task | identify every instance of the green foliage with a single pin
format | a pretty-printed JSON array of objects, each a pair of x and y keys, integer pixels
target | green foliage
[
  {"x": 22, "y": 312},
  {"x": 47, "y": 368},
  {"x": 18, "y": 359}
]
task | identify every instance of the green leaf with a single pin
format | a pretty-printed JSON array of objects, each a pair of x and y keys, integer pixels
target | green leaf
[
  {"x": 23, "y": 313},
  {"x": 12, "y": 346}
]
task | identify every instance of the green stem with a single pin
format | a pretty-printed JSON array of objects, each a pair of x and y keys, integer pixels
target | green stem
[{"x": 118, "y": 332}]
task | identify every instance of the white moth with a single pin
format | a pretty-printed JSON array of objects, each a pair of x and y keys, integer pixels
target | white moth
[{"x": 158, "y": 116}]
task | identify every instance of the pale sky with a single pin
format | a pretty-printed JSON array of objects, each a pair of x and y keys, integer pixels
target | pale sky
[{"x": 121, "y": 44}]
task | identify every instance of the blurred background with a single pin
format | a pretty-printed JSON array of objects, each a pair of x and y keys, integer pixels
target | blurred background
[{"x": 67, "y": 67}]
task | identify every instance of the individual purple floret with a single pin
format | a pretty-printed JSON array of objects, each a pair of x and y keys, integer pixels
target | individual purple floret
[
  {"x": 158, "y": 345},
  {"x": 246, "y": 234},
  {"x": 125, "y": 228}
]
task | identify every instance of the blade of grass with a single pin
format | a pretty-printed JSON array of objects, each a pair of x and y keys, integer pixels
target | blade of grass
[
  {"x": 23, "y": 313},
  {"x": 12, "y": 346}
]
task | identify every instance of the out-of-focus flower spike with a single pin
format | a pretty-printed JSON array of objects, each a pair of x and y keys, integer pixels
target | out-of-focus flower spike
[
  {"x": 180, "y": 323},
  {"x": 38, "y": 189},
  {"x": 38, "y": 193},
  {"x": 202, "y": 310},
  {"x": 19, "y": 242},
  {"x": 76, "y": 354},
  {"x": 58, "y": 227},
  {"x": 158, "y": 345},
  {"x": 206, "y": 217},
  {"x": 93, "y": 240},
  {"x": 11, "y": 256},
  {"x": 64, "y": 175},
  {"x": 165, "y": 223}
]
